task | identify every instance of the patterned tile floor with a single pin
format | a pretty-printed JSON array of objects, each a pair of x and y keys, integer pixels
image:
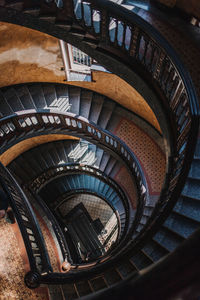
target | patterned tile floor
[{"x": 14, "y": 265}]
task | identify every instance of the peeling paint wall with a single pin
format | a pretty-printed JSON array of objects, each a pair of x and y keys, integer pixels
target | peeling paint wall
[{"x": 27, "y": 56}]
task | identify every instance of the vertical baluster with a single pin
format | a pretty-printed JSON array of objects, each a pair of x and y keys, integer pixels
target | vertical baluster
[
  {"x": 145, "y": 58},
  {"x": 82, "y": 12},
  {"x": 116, "y": 33},
  {"x": 184, "y": 134},
  {"x": 174, "y": 85},
  {"x": 153, "y": 55},
  {"x": 164, "y": 73},
  {"x": 149, "y": 55},
  {"x": 104, "y": 25},
  {"x": 177, "y": 94},
  {"x": 169, "y": 82},
  {"x": 120, "y": 33},
  {"x": 127, "y": 41},
  {"x": 135, "y": 41},
  {"x": 158, "y": 64},
  {"x": 91, "y": 16},
  {"x": 124, "y": 37},
  {"x": 70, "y": 9}
]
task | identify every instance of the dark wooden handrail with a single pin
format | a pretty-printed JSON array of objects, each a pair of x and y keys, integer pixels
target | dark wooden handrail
[{"x": 35, "y": 246}]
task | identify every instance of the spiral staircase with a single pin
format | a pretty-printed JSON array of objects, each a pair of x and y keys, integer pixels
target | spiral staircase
[{"x": 154, "y": 242}]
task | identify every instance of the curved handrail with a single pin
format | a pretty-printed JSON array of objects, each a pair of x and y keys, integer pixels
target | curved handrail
[
  {"x": 145, "y": 52},
  {"x": 133, "y": 30},
  {"x": 20, "y": 125},
  {"x": 73, "y": 168},
  {"x": 16, "y": 126},
  {"x": 134, "y": 41},
  {"x": 28, "y": 225},
  {"x": 167, "y": 76}
]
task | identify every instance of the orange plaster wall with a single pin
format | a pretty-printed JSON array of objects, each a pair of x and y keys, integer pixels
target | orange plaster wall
[{"x": 27, "y": 55}]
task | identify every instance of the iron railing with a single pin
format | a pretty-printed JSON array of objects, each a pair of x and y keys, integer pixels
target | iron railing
[{"x": 35, "y": 246}]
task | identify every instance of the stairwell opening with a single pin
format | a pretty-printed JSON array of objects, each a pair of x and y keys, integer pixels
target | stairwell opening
[{"x": 90, "y": 226}]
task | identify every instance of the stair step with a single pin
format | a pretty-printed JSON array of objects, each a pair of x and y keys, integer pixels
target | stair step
[
  {"x": 188, "y": 207},
  {"x": 98, "y": 283},
  {"x": 148, "y": 211},
  {"x": 98, "y": 155},
  {"x": 96, "y": 107},
  {"x": 49, "y": 18},
  {"x": 140, "y": 260},
  {"x": 113, "y": 122},
  {"x": 85, "y": 104},
  {"x": 55, "y": 292},
  {"x": 197, "y": 149},
  {"x": 195, "y": 169},
  {"x": 154, "y": 250},
  {"x": 34, "y": 11},
  {"x": 167, "y": 239},
  {"x": 104, "y": 161},
  {"x": 13, "y": 100},
  {"x": 74, "y": 96},
  {"x": 110, "y": 165},
  {"x": 60, "y": 148},
  {"x": 25, "y": 97},
  {"x": 37, "y": 95},
  {"x": 14, "y": 4},
  {"x": 192, "y": 188},
  {"x": 112, "y": 276},
  {"x": 115, "y": 169},
  {"x": 107, "y": 109},
  {"x": 49, "y": 93},
  {"x": 126, "y": 269},
  {"x": 181, "y": 225},
  {"x": 83, "y": 288},
  {"x": 5, "y": 108},
  {"x": 70, "y": 291},
  {"x": 62, "y": 97}
]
